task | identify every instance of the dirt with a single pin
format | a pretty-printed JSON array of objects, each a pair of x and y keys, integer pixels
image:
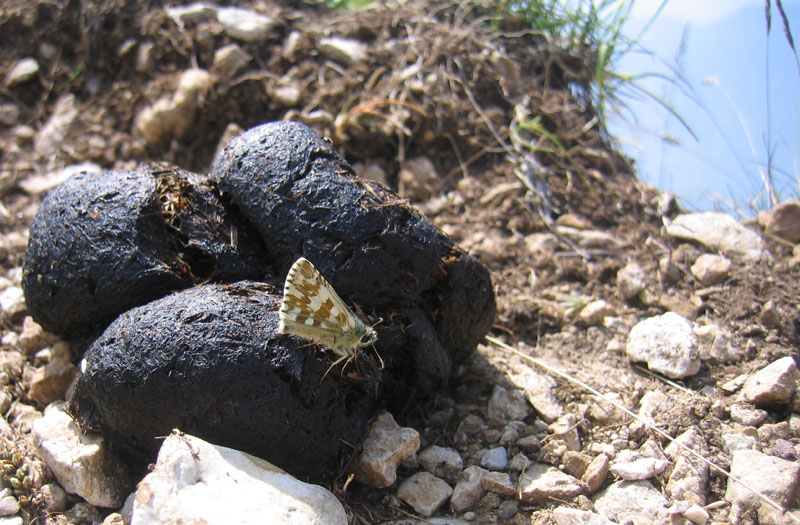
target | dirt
[{"x": 466, "y": 77}]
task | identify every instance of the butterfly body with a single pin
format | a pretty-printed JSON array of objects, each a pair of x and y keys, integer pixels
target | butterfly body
[{"x": 313, "y": 310}]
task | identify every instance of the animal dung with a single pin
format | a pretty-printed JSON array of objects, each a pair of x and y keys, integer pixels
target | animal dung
[{"x": 181, "y": 275}]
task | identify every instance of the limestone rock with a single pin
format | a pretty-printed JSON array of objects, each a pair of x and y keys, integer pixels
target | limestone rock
[
  {"x": 82, "y": 464},
  {"x": 773, "y": 477},
  {"x": 634, "y": 502},
  {"x": 469, "y": 489},
  {"x": 441, "y": 461},
  {"x": 631, "y": 280},
  {"x": 667, "y": 344},
  {"x": 23, "y": 71},
  {"x": 345, "y": 51},
  {"x": 716, "y": 231},
  {"x": 244, "y": 24},
  {"x": 775, "y": 383},
  {"x": 783, "y": 221},
  {"x": 197, "y": 482},
  {"x": 542, "y": 482},
  {"x": 385, "y": 447},
  {"x": 711, "y": 269},
  {"x": 424, "y": 492}
]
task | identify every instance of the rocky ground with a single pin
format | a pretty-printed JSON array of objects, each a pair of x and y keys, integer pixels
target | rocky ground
[{"x": 689, "y": 321}]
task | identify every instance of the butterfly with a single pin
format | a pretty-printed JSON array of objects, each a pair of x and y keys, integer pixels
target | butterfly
[{"x": 313, "y": 310}]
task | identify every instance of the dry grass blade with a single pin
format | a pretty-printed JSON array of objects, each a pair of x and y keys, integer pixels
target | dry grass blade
[{"x": 634, "y": 415}]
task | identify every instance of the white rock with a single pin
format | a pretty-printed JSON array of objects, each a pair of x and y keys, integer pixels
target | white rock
[
  {"x": 689, "y": 478},
  {"x": 691, "y": 511},
  {"x": 716, "y": 343},
  {"x": 287, "y": 96},
  {"x": 570, "y": 516},
  {"x": 642, "y": 468},
  {"x": 49, "y": 138},
  {"x": 54, "y": 499},
  {"x": 541, "y": 482},
  {"x": 228, "y": 60},
  {"x": 24, "y": 70},
  {"x": 38, "y": 184},
  {"x": 784, "y": 221},
  {"x": 747, "y": 415},
  {"x": 506, "y": 405},
  {"x": 495, "y": 459},
  {"x": 717, "y": 231},
  {"x": 9, "y": 114},
  {"x": 711, "y": 269},
  {"x": 739, "y": 439},
  {"x": 11, "y": 298},
  {"x": 653, "y": 404},
  {"x": 197, "y": 482},
  {"x": 667, "y": 344},
  {"x": 424, "y": 492},
  {"x": 469, "y": 489},
  {"x": 443, "y": 462},
  {"x": 193, "y": 12},
  {"x": 244, "y": 24},
  {"x": 541, "y": 243},
  {"x": 775, "y": 383},
  {"x": 49, "y": 383},
  {"x": 565, "y": 430},
  {"x": 173, "y": 115},
  {"x": 634, "y": 502},
  {"x": 385, "y": 447},
  {"x": 342, "y": 50},
  {"x": 8, "y": 503},
  {"x": 735, "y": 384},
  {"x": 538, "y": 389},
  {"x": 590, "y": 239},
  {"x": 12, "y": 520},
  {"x": 594, "y": 313},
  {"x": 773, "y": 477},
  {"x": 82, "y": 464},
  {"x": 631, "y": 280}
]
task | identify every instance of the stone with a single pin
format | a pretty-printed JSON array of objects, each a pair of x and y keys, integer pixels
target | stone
[
  {"x": 541, "y": 482},
  {"x": 519, "y": 462},
  {"x": 638, "y": 469},
  {"x": 783, "y": 221},
  {"x": 565, "y": 430},
  {"x": 469, "y": 489},
  {"x": 82, "y": 464},
  {"x": 575, "y": 463},
  {"x": 594, "y": 313},
  {"x": 287, "y": 96},
  {"x": 596, "y": 473},
  {"x": 197, "y": 482},
  {"x": 711, "y": 269},
  {"x": 83, "y": 512},
  {"x": 507, "y": 509},
  {"x": 9, "y": 114},
  {"x": 570, "y": 516},
  {"x": 33, "y": 337},
  {"x": 634, "y": 502},
  {"x": 653, "y": 404},
  {"x": 747, "y": 415},
  {"x": 718, "y": 232},
  {"x": 8, "y": 503},
  {"x": 739, "y": 439},
  {"x": 667, "y": 344},
  {"x": 691, "y": 511},
  {"x": 57, "y": 127},
  {"x": 424, "y": 492},
  {"x": 770, "y": 316},
  {"x": 194, "y": 12},
  {"x": 495, "y": 459},
  {"x": 50, "y": 382},
  {"x": 688, "y": 480},
  {"x": 773, "y": 477},
  {"x": 342, "y": 50},
  {"x": 442, "y": 462},
  {"x": 172, "y": 115},
  {"x": 39, "y": 184},
  {"x": 631, "y": 280},
  {"x": 499, "y": 483},
  {"x": 669, "y": 270},
  {"x": 773, "y": 384},
  {"x": 386, "y": 446},
  {"x": 605, "y": 413},
  {"x": 145, "y": 57},
  {"x": 23, "y": 71},
  {"x": 506, "y": 405},
  {"x": 230, "y": 59},
  {"x": 591, "y": 239},
  {"x": 54, "y": 498},
  {"x": 716, "y": 343},
  {"x": 538, "y": 390},
  {"x": 244, "y": 24},
  {"x": 12, "y": 300}
]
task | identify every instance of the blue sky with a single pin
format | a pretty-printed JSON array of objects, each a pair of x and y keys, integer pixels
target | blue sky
[{"x": 724, "y": 61}]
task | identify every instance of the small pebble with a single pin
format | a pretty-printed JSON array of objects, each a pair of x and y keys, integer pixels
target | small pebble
[{"x": 495, "y": 459}]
